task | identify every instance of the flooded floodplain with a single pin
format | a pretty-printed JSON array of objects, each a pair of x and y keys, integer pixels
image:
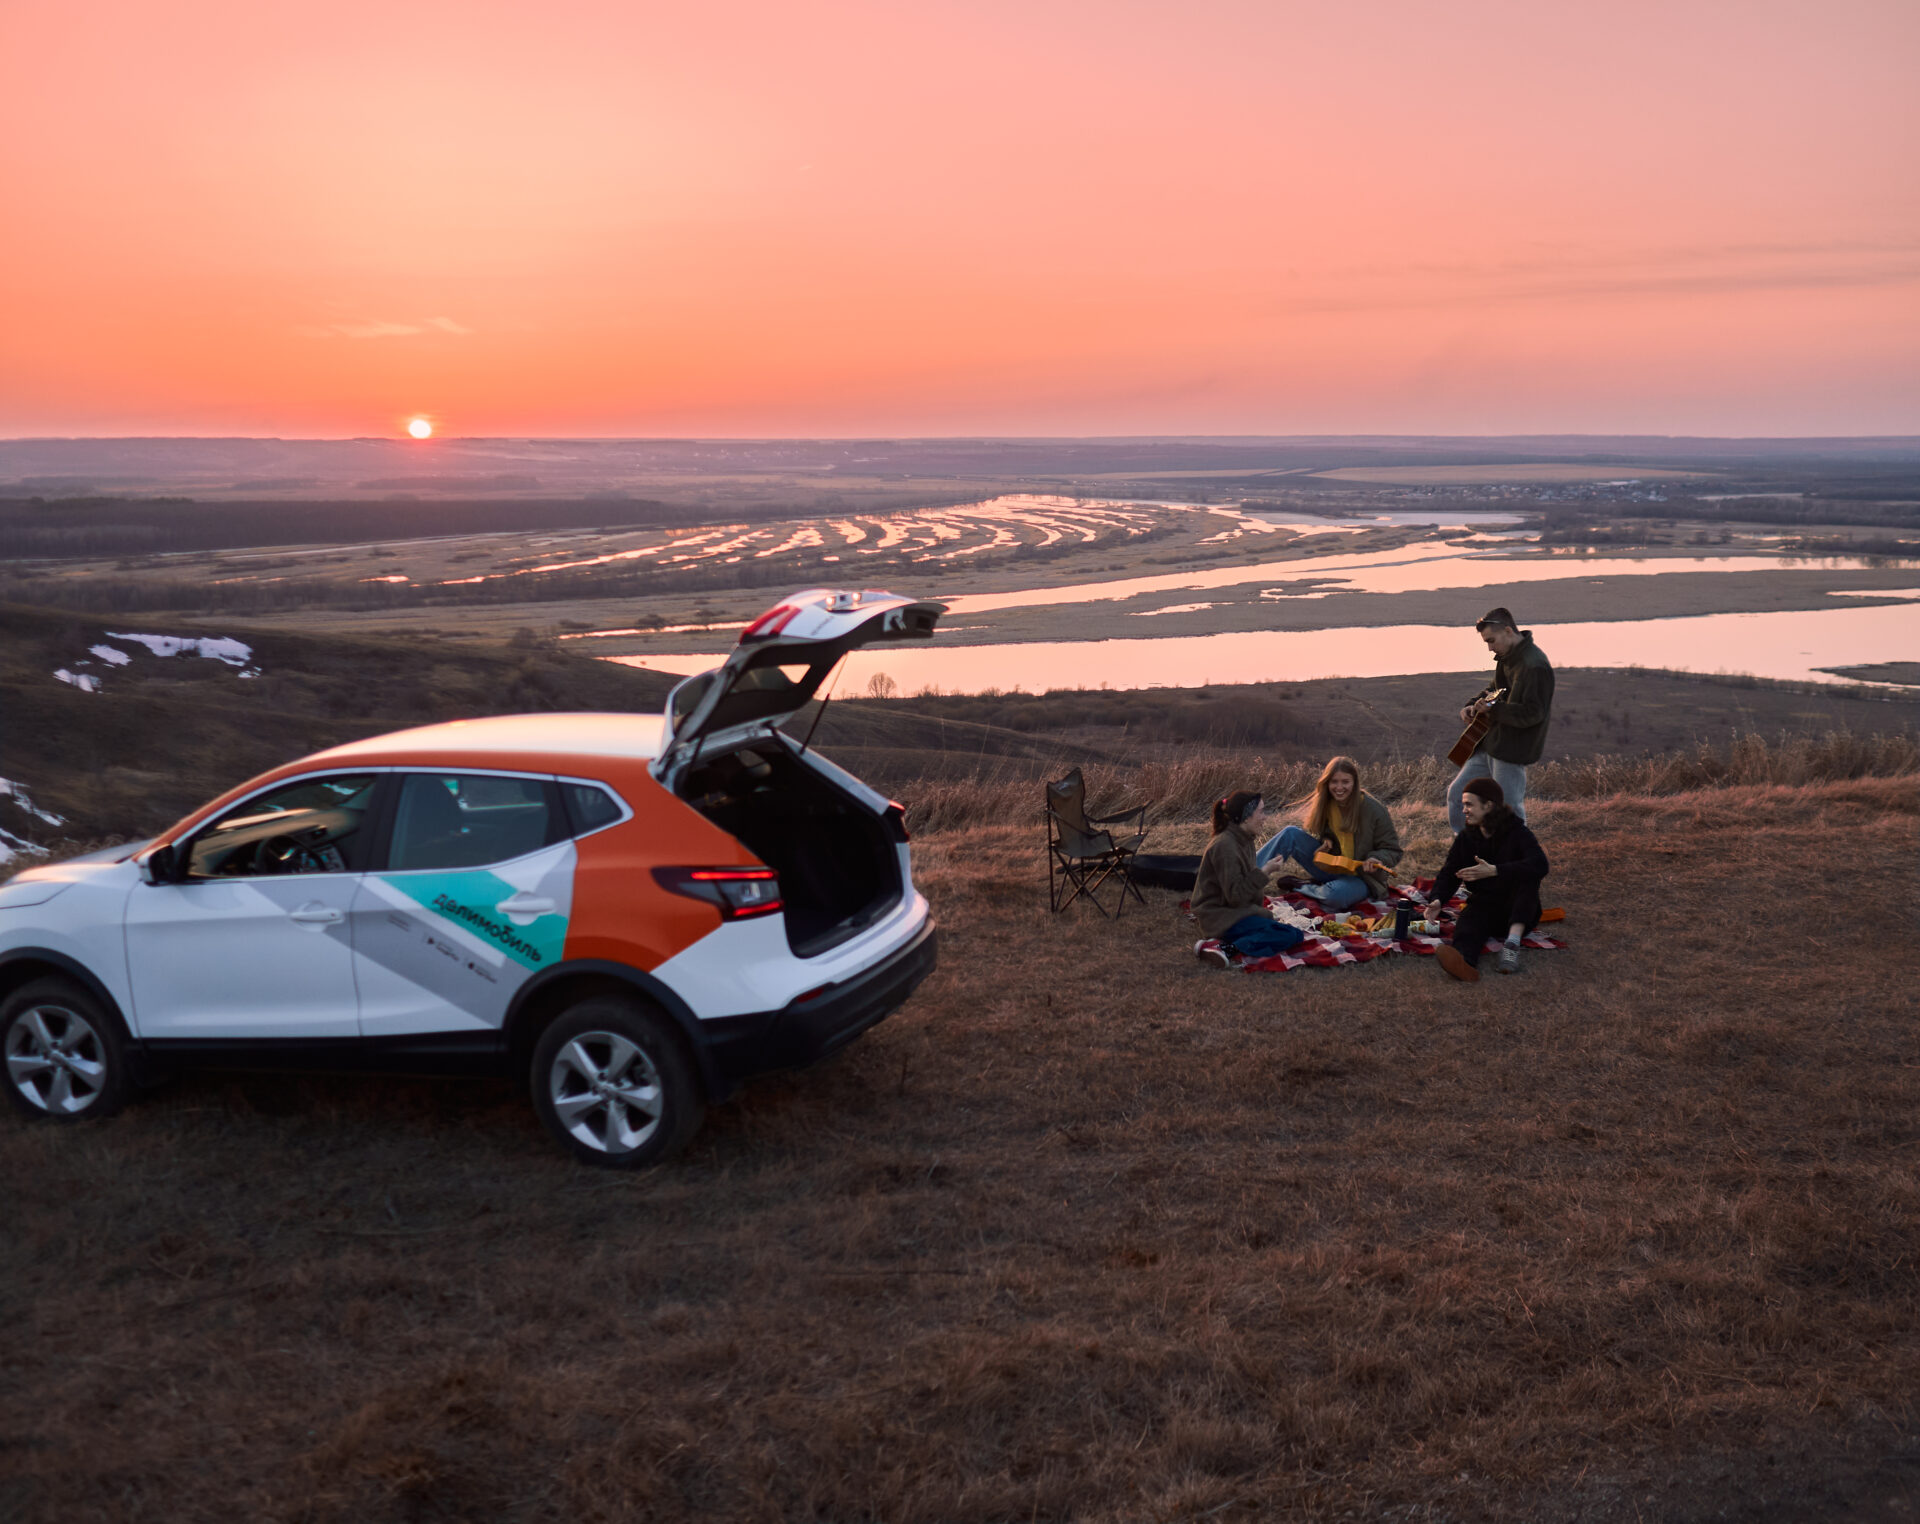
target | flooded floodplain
[
  {"x": 1300, "y": 618},
  {"x": 1377, "y": 612}
]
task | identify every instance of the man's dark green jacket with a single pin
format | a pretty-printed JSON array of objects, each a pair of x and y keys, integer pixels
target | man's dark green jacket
[{"x": 1519, "y": 731}]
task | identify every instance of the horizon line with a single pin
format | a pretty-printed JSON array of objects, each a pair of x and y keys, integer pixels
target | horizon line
[{"x": 871, "y": 438}]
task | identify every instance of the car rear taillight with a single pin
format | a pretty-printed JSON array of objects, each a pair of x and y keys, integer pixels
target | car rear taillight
[
  {"x": 769, "y": 624},
  {"x": 738, "y": 893},
  {"x": 897, "y": 820}
]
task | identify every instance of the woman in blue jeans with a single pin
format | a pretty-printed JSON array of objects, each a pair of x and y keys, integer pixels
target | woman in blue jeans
[
  {"x": 1230, "y": 890},
  {"x": 1344, "y": 818}
]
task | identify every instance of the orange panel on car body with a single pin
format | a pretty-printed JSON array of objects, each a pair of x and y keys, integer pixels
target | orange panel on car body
[{"x": 620, "y": 912}]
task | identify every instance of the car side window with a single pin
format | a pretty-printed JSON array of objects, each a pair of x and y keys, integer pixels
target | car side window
[
  {"x": 467, "y": 820},
  {"x": 591, "y": 807},
  {"x": 313, "y": 825}
]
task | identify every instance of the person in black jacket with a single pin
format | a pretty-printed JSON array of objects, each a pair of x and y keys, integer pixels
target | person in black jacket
[
  {"x": 1501, "y": 862},
  {"x": 1524, "y": 677}
]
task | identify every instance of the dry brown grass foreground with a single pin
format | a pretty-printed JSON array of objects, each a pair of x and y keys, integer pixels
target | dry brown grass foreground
[{"x": 1085, "y": 1232}]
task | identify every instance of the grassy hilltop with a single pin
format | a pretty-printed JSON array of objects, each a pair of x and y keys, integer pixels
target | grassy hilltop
[{"x": 1084, "y": 1232}]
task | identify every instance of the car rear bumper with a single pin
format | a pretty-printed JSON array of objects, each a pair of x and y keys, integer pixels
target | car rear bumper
[{"x": 817, "y": 1023}]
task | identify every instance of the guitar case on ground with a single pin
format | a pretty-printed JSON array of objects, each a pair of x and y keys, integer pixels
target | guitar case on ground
[{"x": 1165, "y": 871}]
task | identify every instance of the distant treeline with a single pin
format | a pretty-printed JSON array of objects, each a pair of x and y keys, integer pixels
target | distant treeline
[
  {"x": 1901, "y": 489},
  {"x": 127, "y": 595},
  {"x": 1838, "y": 507},
  {"x": 1887, "y": 546},
  {"x": 105, "y": 526},
  {"x": 1809, "y": 511}
]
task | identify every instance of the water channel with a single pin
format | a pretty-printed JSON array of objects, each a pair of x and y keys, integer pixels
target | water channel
[{"x": 1792, "y": 645}]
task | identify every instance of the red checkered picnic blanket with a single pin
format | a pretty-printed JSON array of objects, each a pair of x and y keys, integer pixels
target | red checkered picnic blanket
[{"x": 1326, "y": 951}]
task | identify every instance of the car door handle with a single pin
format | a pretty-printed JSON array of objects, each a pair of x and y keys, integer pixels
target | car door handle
[
  {"x": 316, "y": 915},
  {"x": 528, "y": 905}
]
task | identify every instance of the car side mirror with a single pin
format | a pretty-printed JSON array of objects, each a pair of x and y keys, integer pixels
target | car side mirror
[{"x": 156, "y": 867}]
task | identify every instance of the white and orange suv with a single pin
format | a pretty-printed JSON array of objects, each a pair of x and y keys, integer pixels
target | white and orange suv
[{"x": 633, "y": 911}]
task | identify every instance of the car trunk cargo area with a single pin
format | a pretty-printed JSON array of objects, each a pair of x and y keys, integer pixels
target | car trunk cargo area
[{"x": 838, "y": 865}]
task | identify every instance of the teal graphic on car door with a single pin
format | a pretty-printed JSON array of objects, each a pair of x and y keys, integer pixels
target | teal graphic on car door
[
  {"x": 470, "y": 904},
  {"x": 447, "y": 950},
  {"x": 528, "y": 928}
]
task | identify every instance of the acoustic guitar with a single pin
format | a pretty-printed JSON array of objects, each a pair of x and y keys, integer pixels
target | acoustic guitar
[{"x": 1470, "y": 738}]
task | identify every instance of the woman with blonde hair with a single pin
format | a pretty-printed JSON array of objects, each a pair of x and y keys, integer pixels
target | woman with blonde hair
[{"x": 1341, "y": 817}]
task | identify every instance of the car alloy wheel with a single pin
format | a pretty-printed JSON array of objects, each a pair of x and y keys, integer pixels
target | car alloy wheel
[
  {"x": 613, "y": 1081},
  {"x": 60, "y": 1058},
  {"x": 606, "y": 1092}
]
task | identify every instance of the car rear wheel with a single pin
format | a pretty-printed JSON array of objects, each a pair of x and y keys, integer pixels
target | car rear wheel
[
  {"x": 612, "y": 1082},
  {"x": 65, "y": 1058}
]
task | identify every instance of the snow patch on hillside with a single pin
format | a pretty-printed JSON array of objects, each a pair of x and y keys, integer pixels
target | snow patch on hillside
[
  {"x": 220, "y": 648},
  {"x": 234, "y": 653},
  {"x": 13, "y": 846},
  {"x": 17, "y": 792}
]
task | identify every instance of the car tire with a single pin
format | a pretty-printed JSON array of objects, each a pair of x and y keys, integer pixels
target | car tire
[
  {"x": 612, "y": 1082},
  {"x": 66, "y": 1056}
]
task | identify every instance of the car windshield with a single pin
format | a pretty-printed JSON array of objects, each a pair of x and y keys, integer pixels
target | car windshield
[
  {"x": 321, "y": 794},
  {"x": 309, "y": 826}
]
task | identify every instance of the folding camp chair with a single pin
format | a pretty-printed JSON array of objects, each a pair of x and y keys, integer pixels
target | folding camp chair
[{"x": 1081, "y": 855}]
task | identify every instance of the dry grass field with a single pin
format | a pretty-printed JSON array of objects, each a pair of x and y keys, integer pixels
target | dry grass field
[{"x": 1084, "y": 1232}]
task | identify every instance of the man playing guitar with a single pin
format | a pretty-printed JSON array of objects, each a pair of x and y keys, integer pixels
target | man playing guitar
[{"x": 1518, "y": 703}]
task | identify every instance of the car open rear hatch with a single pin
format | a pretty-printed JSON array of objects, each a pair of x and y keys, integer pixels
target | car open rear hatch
[{"x": 782, "y": 659}]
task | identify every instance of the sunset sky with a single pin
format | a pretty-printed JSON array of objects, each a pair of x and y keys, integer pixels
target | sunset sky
[{"x": 588, "y": 218}]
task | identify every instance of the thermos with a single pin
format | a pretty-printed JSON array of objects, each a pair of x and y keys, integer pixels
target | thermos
[{"x": 1402, "y": 919}]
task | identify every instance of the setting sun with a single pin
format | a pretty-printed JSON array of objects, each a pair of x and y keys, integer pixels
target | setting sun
[{"x": 420, "y": 428}]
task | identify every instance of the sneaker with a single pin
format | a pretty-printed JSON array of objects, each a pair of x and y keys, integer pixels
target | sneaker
[
  {"x": 1509, "y": 959},
  {"x": 1213, "y": 954},
  {"x": 1452, "y": 961}
]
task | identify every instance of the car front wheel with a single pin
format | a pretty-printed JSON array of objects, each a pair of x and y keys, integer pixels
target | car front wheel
[
  {"x": 65, "y": 1058},
  {"x": 612, "y": 1081}
]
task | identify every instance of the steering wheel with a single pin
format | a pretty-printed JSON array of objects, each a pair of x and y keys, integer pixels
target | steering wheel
[{"x": 283, "y": 854}]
